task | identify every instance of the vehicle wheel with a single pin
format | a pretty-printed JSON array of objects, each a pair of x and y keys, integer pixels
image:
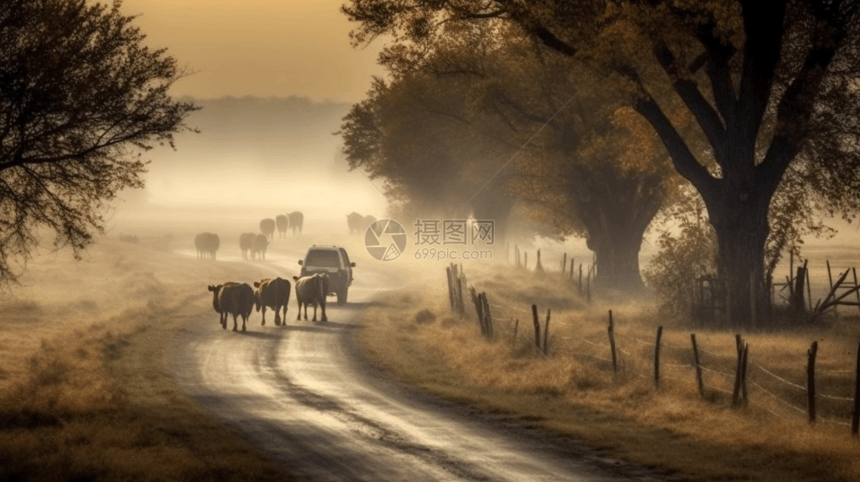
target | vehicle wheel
[{"x": 341, "y": 296}]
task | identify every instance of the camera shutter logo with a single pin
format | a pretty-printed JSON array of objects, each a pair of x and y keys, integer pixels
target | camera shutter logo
[{"x": 385, "y": 240}]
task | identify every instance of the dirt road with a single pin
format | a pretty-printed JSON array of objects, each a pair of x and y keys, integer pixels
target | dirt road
[{"x": 301, "y": 395}]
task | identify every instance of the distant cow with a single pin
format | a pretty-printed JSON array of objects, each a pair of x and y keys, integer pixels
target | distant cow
[
  {"x": 238, "y": 301},
  {"x": 207, "y": 245},
  {"x": 312, "y": 290},
  {"x": 216, "y": 290},
  {"x": 297, "y": 219},
  {"x": 267, "y": 227},
  {"x": 283, "y": 223},
  {"x": 366, "y": 222},
  {"x": 258, "y": 246},
  {"x": 274, "y": 294},
  {"x": 246, "y": 242},
  {"x": 353, "y": 220}
]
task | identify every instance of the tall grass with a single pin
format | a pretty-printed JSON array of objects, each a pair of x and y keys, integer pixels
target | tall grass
[{"x": 574, "y": 390}]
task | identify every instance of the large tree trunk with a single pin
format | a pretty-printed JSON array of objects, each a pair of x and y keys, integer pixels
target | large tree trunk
[
  {"x": 616, "y": 209},
  {"x": 741, "y": 225},
  {"x": 617, "y": 257}
]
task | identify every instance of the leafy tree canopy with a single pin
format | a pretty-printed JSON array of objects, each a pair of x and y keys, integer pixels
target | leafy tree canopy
[{"x": 80, "y": 97}]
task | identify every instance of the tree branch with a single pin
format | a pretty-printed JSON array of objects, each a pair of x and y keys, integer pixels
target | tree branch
[{"x": 682, "y": 158}]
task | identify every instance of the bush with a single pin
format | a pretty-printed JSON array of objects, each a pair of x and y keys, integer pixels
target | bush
[{"x": 687, "y": 250}]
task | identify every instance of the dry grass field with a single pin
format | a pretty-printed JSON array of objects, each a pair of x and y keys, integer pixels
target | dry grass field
[
  {"x": 84, "y": 389},
  {"x": 85, "y": 393},
  {"x": 574, "y": 391}
]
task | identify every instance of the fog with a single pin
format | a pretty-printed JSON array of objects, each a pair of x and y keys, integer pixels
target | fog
[{"x": 253, "y": 158}]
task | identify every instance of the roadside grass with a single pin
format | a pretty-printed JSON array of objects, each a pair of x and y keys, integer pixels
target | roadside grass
[
  {"x": 84, "y": 389},
  {"x": 573, "y": 391}
]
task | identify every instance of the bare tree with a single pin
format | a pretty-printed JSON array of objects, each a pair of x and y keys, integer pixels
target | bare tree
[{"x": 80, "y": 98}]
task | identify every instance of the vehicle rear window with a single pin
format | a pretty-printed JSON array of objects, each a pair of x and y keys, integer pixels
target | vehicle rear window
[{"x": 323, "y": 259}]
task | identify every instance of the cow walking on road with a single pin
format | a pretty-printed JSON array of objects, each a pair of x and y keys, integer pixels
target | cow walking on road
[
  {"x": 283, "y": 223},
  {"x": 312, "y": 290},
  {"x": 216, "y": 290},
  {"x": 246, "y": 243},
  {"x": 258, "y": 246},
  {"x": 233, "y": 299},
  {"x": 274, "y": 294},
  {"x": 297, "y": 220}
]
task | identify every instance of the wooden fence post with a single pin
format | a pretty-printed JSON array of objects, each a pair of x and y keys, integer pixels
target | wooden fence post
[
  {"x": 580, "y": 278},
  {"x": 526, "y": 259},
  {"x": 479, "y": 308},
  {"x": 588, "y": 287},
  {"x": 810, "y": 380},
  {"x": 573, "y": 263},
  {"x": 488, "y": 317},
  {"x": 460, "y": 299},
  {"x": 546, "y": 334},
  {"x": 450, "y": 288},
  {"x": 699, "y": 380},
  {"x": 455, "y": 276},
  {"x": 799, "y": 289},
  {"x": 537, "y": 325},
  {"x": 736, "y": 393},
  {"x": 514, "y": 339},
  {"x": 830, "y": 279},
  {"x": 657, "y": 357},
  {"x": 612, "y": 344},
  {"x": 744, "y": 358},
  {"x": 855, "y": 420},
  {"x": 563, "y": 265}
]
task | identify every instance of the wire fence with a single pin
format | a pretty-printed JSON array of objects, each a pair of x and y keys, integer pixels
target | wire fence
[{"x": 717, "y": 373}]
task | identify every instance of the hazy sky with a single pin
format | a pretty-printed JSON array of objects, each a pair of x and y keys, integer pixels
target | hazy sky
[
  {"x": 259, "y": 47},
  {"x": 257, "y": 147}
]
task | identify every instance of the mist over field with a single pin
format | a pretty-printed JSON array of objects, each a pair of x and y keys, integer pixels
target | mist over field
[
  {"x": 253, "y": 158},
  {"x": 556, "y": 240}
]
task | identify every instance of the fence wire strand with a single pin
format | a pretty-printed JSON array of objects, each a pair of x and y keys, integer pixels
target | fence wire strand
[{"x": 502, "y": 312}]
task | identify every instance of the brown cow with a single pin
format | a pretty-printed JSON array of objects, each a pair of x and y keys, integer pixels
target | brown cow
[
  {"x": 366, "y": 222},
  {"x": 283, "y": 223},
  {"x": 246, "y": 242},
  {"x": 236, "y": 300},
  {"x": 275, "y": 294},
  {"x": 207, "y": 245},
  {"x": 216, "y": 289},
  {"x": 353, "y": 221},
  {"x": 312, "y": 290},
  {"x": 297, "y": 219},
  {"x": 258, "y": 246},
  {"x": 267, "y": 227}
]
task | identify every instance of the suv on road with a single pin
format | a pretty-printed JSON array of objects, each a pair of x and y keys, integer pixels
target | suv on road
[{"x": 333, "y": 261}]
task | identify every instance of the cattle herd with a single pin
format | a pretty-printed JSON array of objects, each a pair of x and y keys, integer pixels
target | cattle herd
[
  {"x": 358, "y": 223},
  {"x": 207, "y": 245},
  {"x": 240, "y": 299},
  {"x": 253, "y": 245}
]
